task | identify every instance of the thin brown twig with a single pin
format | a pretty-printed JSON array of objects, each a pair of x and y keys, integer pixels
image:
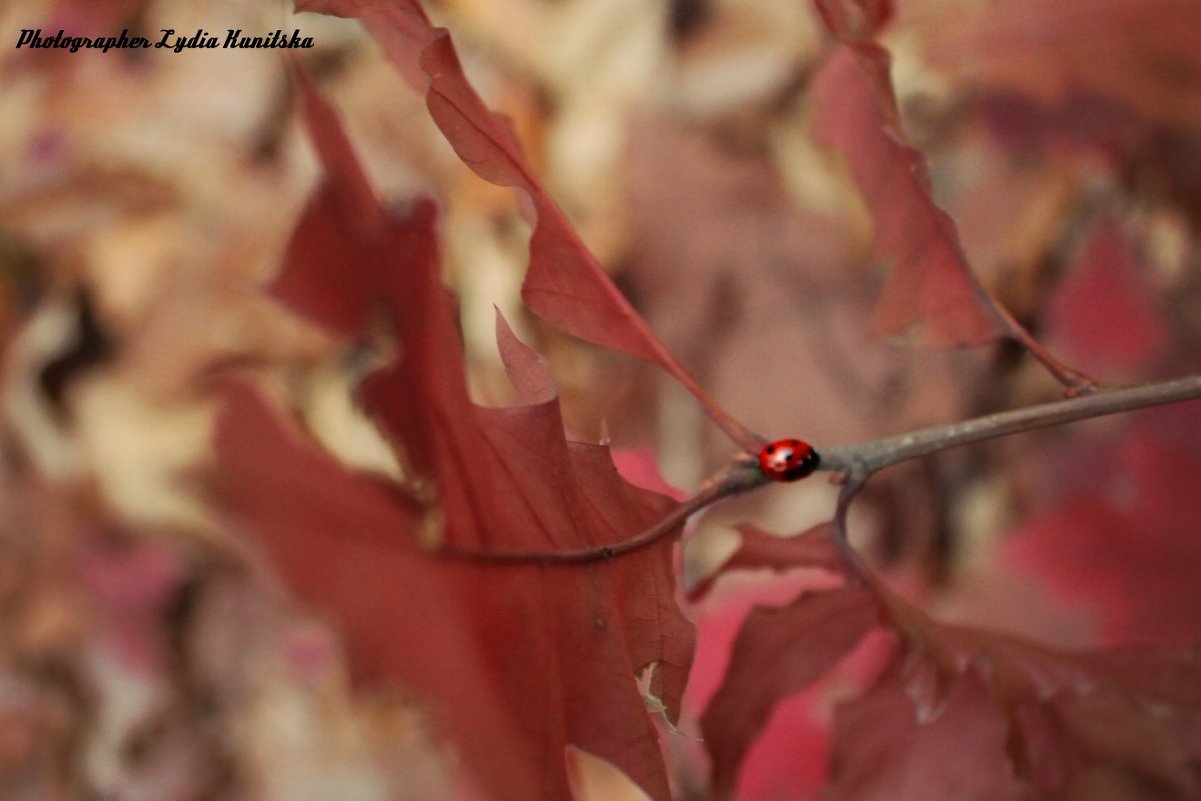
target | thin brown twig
[
  {"x": 1075, "y": 382},
  {"x": 860, "y": 461},
  {"x": 857, "y": 463}
]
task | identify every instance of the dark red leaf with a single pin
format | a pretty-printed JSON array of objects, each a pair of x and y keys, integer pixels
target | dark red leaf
[
  {"x": 520, "y": 660},
  {"x": 931, "y": 295},
  {"x": 347, "y": 545},
  {"x": 338, "y": 227},
  {"x": 567, "y": 640},
  {"x": 564, "y": 284},
  {"x": 554, "y": 648},
  {"x": 325, "y": 529}
]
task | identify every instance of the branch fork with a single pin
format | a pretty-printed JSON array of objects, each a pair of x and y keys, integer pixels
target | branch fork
[{"x": 853, "y": 465}]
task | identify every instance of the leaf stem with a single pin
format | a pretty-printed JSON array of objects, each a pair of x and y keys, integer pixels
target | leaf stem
[{"x": 1075, "y": 382}]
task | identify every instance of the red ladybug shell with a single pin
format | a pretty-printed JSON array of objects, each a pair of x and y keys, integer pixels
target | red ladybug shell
[{"x": 788, "y": 460}]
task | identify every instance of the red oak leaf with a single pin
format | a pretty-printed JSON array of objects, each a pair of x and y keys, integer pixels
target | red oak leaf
[
  {"x": 564, "y": 284},
  {"x": 962, "y": 712},
  {"x": 346, "y": 544},
  {"x": 884, "y": 750},
  {"x": 555, "y": 647},
  {"x": 931, "y": 293},
  {"x": 789, "y": 757},
  {"x": 789, "y": 754},
  {"x": 1126, "y": 720},
  {"x": 813, "y": 548},
  {"x": 970, "y": 713},
  {"x": 777, "y": 653},
  {"x": 567, "y": 640}
]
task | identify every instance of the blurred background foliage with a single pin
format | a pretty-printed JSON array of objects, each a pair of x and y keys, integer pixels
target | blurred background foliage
[{"x": 146, "y": 651}]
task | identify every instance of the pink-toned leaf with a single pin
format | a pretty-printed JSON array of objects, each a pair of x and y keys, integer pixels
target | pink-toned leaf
[
  {"x": 931, "y": 294},
  {"x": 484, "y": 141},
  {"x": 813, "y": 548},
  {"x": 528, "y": 371},
  {"x": 1128, "y": 714},
  {"x": 135, "y": 584},
  {"x": 963, "y": 712},
  {"x": 787, "y": 759},
  {"x": 638, "y": 466},
  {"x": 884, "y": 752},
  {"x": 1126, "y": 546},
  {"x": 1049, "y": 51},
  {"x": 777, "y": 653},
  {"x": 1104, "y": 311},
  {"x": 1050, "y": 720}
]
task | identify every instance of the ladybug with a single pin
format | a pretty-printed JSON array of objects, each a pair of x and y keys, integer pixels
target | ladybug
[{"x": 788, "y": 460}]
